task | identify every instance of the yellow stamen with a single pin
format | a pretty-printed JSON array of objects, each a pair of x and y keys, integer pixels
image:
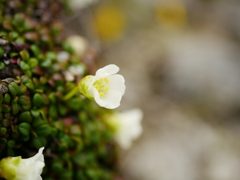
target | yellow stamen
[
  {"x": 101, "y": 86},
  {"x": 97, "y": 87},
  {"x": 106, "y": 80},
  {"x": 106, "y": 89}
]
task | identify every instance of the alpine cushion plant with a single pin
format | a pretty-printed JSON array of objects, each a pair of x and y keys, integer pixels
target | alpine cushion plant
[
  {"x": 106, "y": 87},
  {"x": 40, "y": 102},
  {"x": 16, "y": 168}
]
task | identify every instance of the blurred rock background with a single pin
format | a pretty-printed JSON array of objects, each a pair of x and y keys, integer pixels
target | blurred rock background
[{"x": 181, "y": 62}]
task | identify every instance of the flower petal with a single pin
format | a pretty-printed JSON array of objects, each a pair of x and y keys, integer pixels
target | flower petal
[
  {"x": 107, "y": 70},
  {"x": 129, "y": 127},
  {"x": 111, "y": 100},
  {"x": 116, "y": 82},
  {"x": 36, "y": 158}
]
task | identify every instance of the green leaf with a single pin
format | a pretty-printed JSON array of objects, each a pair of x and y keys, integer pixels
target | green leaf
[
  {"x": 24, "y": 100},
  {"x": 24, "y": 55},
  {"x": 24, "y": 66},
  {"x": 6, "y": 108},
  {"x": 1, "y": 98},
  {"x": 75, "y": 103},
  {"x": 22, "y": 89},
  {"x": 43, "y": 130},
  {"x": 35, "y": 113},
  {"x": 39, "y": 142},
  {"x": 35, "y": 50},
  {"x": 15, "y": 108},
  {"x": 53, "y": 111},
  {"x": 1, "y": 52},
  {"x": 2, "y": 65},
  {"x": 33, "y": 62},
  {"x": 24, "y": 128},
  {"x": 37, "y": 100},
  {"x": 6, "y": 99},
  {"x": 25, "y": 117},
  {"x": 27, "y": 82},
  {"x": 5, "y": 123},
  {"x": 3, "y": 131},
  {"x": 57, "y": 167},
  {"x": 11, "y": 143},
  {"x": 13, "y": 88}
]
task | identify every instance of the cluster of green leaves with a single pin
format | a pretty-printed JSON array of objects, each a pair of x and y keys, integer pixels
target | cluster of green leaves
[{"x": 33, "y": 112}]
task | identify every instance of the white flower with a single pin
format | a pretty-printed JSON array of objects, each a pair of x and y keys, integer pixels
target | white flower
[
  {"x": 16, "y": 168},
  {"x": 106, "y": 87},
  {"x": 127, "y": 127},
  {"x": 76, "y": 70},
  {"x": 79, "y": 4},
  {"x": 63, "y": 56},
  {"x": 78, "y": 43},
  {"x": 73, "y": 71}
]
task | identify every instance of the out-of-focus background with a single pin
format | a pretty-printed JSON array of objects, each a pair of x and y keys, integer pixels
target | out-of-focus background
[{"x": 181, "y": 62}]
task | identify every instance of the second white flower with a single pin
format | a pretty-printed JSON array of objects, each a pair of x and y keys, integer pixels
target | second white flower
[{"x": 106, "y": 87}]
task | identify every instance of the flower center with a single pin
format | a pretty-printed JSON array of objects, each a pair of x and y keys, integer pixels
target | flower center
[{"x": 102, "y": 86}]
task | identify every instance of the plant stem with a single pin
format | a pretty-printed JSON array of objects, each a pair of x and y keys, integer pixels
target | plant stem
[{"x": 71, "y": 93}]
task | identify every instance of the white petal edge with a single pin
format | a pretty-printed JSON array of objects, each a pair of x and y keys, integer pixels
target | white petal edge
[{"x": 108, "y": 70}]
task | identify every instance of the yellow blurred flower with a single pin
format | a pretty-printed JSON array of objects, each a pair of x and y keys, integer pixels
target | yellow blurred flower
[
  {"x": 172, "y": 14},
  {"x": 109, "y": 23}
]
